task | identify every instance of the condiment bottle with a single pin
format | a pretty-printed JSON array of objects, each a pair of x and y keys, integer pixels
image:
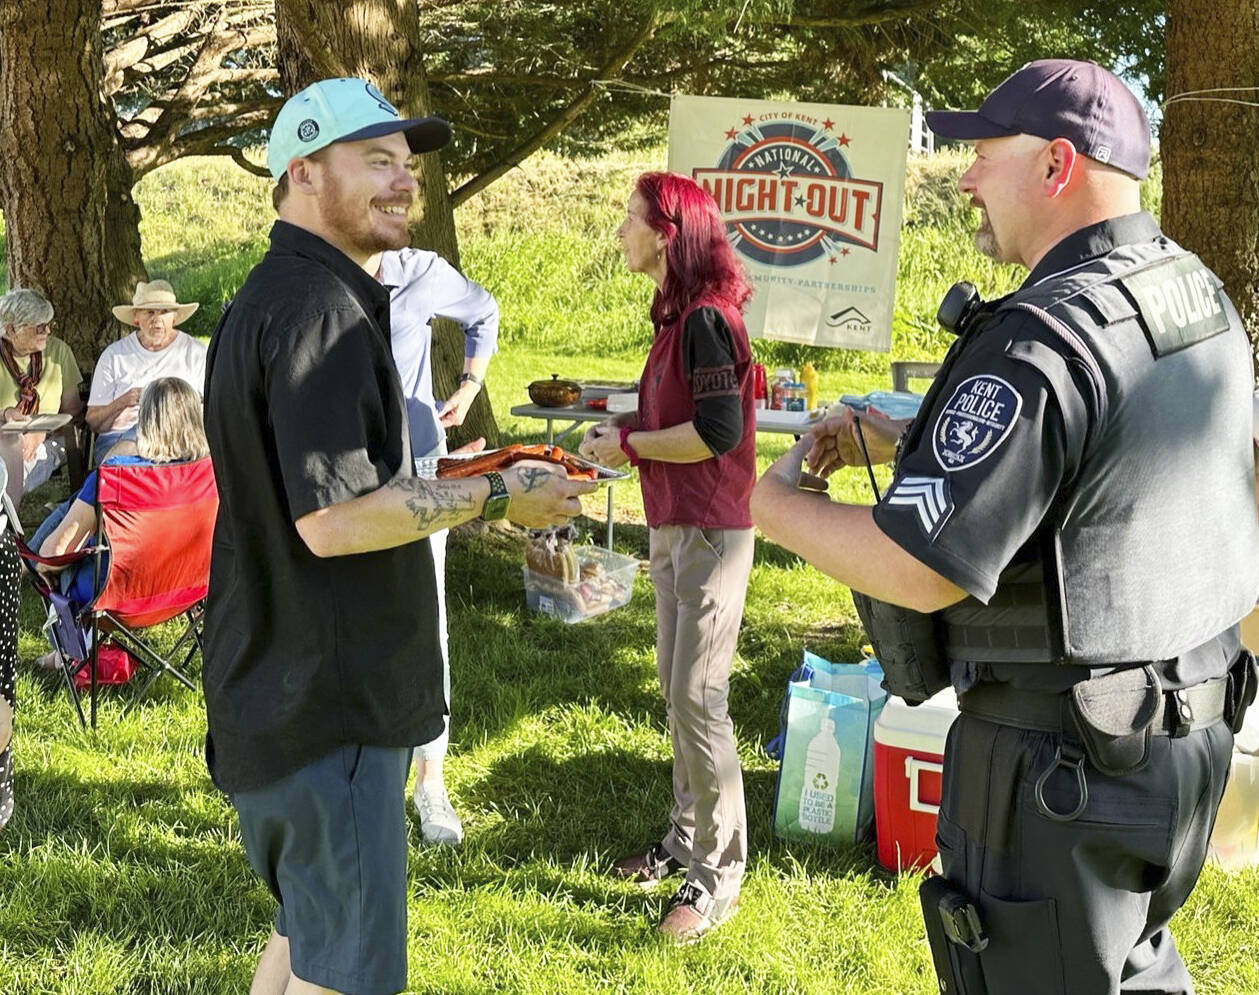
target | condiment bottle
[
  {"x": 808, "y": 376},
  {"x": 782, "y": 378}
]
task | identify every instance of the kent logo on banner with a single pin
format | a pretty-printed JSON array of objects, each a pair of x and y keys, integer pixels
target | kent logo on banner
[{"x": 811, "y": 195}]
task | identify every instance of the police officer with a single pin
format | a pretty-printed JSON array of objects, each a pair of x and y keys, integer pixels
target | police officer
[{"x": 1069, "y": 539}]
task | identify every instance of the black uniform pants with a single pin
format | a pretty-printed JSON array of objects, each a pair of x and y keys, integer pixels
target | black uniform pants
[{"x": 1080, "y": 907}]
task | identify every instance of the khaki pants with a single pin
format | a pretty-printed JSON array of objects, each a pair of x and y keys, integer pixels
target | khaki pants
[{"x": 701, "y": 578}]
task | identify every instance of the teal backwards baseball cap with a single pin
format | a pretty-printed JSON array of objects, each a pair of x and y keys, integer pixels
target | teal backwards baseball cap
[{"x": 343, "y": 110}]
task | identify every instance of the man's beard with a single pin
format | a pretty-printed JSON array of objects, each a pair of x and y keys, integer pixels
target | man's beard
[
  {"x": 986, "y": 239},
  {"x": 345, "y": 218}
]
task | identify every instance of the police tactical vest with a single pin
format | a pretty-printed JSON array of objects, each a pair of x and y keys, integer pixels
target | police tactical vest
[{"x": 1152, "y": 547}]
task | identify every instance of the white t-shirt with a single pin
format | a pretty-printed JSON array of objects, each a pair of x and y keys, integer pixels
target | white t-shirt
[{"x": 127, "y": 364}]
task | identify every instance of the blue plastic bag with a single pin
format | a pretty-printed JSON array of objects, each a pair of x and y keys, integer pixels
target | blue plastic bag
[
  {"x": 893, "y": 403},
  {"x": 825, "y": 789}
]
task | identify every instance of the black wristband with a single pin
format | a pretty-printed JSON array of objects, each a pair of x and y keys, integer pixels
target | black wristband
[{"x": 470, "y": 378}]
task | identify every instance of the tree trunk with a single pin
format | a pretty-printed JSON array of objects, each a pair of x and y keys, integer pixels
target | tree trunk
[
  {"x": 64, "y": 179},
  {"x": 379, "y": 40},
  {"x": 1210, "y": 159}
]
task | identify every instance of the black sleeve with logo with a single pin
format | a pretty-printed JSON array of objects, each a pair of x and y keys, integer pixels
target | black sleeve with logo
[
  {"x": 708, "y": 361},
  {"x": 982, "y": 470}
]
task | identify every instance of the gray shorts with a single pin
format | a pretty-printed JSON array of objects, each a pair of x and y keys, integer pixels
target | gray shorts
[{"x": 330, "y": 841}]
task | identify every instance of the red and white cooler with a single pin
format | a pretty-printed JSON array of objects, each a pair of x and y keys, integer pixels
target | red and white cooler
[{"x": 908, "y": 761}]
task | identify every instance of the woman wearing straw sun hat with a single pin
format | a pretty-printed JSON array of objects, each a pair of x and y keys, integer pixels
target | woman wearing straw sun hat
[{"x": 155, "y": 348}]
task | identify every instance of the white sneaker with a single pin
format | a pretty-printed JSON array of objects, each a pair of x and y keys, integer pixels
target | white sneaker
[{"x": 439, "y": 822}]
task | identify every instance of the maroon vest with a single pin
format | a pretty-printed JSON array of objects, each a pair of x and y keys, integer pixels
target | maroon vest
[{"x": 712, "y": 494}]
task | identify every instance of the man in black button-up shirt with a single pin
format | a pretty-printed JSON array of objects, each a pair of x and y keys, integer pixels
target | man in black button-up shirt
[{"x": 322, "y": 667}]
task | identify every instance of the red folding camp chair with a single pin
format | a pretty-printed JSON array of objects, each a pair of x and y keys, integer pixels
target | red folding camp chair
[{"x": 156, "y": 524}]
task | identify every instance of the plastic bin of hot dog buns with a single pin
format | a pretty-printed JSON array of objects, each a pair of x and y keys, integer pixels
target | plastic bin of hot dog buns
[{"x": 573, "y": 583}]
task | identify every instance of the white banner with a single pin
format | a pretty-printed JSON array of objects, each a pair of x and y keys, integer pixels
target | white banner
[{"x": 811, "y": 194}]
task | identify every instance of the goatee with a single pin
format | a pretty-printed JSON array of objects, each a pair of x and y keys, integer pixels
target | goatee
[{"x": 986, "y": 239}]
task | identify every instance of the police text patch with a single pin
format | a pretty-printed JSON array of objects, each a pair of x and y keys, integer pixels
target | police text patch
[
  {"x": 974, "y": 421},
  {"x": 1179, "y": 303},
  {"x": 927, "y": 497}
]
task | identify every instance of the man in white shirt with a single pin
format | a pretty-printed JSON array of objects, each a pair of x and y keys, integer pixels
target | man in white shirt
[
  {"x": 155, "y": 349},
  {"x": 423, "y": 286}
]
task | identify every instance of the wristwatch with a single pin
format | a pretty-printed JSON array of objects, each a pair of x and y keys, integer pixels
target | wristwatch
[
  {"x": 470, "y": 378},
  {"x": 497, "y": 503}
]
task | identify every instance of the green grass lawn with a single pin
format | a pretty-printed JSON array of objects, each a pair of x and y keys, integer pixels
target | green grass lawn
[{"x": 122, "y": 869}]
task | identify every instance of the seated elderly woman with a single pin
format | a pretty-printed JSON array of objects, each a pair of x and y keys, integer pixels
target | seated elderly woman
[
  {"x": 40, "y": 376},
  {"x": 155, "y": 348},
  {"x": 169, "y": 430}
]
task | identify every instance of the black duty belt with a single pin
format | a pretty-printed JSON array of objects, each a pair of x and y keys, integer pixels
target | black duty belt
[{"x": 1179, "y": 713}]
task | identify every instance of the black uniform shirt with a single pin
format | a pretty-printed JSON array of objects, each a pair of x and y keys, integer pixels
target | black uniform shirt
[
  {"x": 303, "y": 411},
  {"x": 985, "y": 459}
]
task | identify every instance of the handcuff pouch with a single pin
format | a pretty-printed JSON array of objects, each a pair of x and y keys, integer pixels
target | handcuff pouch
[
  {"x": 1243, "y": 681},
  {"x": 1115, "y": 716},
  {"x": 907, "y": 646}
]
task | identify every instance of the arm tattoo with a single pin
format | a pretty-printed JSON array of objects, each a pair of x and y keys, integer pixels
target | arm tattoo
[
  {"x": 533, "y": 477},
  {"x": 434, "y": 504}
]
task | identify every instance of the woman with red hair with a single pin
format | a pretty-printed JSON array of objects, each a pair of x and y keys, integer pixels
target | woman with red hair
[{"x": 693, "y": 439}]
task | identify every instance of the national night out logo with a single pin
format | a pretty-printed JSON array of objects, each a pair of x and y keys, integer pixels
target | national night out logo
[{"x": 785, "y": 188}]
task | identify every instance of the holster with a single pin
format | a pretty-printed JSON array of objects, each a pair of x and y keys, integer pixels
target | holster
[
  {"x": 1243, "y": 681},
  {"x": 907, "y": 648},
  {"x": 956, "y": 936},
  {"x": 1115, "y": 716}
]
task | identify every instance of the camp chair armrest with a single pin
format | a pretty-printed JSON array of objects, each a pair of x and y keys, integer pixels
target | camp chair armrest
[{"x": 62, "y": 560}]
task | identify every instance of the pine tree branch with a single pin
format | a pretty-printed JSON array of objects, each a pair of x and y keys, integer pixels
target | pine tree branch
[
  {"x": 158, "y": 143},
  {"x": 866, "y": 18},
  {"x": 237, "y": 156},
  {"x": 570, "y": 113}
]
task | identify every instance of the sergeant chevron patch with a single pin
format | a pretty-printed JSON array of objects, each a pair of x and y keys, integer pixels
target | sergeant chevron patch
[{"x": 929, "y": 497}]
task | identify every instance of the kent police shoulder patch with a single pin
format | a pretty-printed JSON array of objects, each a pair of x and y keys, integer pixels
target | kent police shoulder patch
[{"x": 974, "y": 421}]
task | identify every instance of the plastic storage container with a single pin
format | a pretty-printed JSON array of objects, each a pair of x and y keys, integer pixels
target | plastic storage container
[
  {"x": 908, "y": 761},
  {"x": 1235, "y": 838},
  {"x": 622, "y": 402},
  {"x": 607, "y": 582}
]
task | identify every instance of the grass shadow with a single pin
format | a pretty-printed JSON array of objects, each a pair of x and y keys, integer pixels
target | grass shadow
[{"x": 140, "y": 853}]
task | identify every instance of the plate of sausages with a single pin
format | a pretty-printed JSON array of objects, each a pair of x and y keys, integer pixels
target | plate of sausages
[{"x": 463, "y": 465}]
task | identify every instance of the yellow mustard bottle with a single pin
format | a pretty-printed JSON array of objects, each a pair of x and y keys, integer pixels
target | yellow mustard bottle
[{"x": 808, "y": 376}]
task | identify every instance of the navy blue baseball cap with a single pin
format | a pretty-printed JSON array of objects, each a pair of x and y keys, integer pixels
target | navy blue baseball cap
[
  {"x": 1060, "y": 98},
  {"x": 343, "y": 110}
]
